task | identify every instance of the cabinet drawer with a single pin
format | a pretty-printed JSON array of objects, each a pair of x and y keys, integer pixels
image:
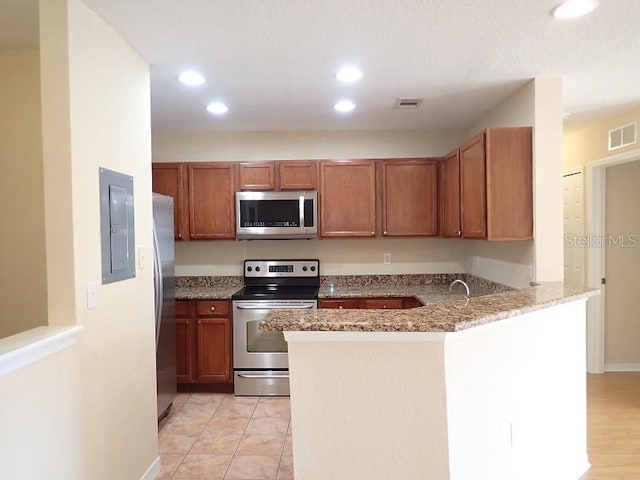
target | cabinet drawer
[
  {"x": 183, "y": 308},
  {"x": 340, "y": 303},
  {"x": 213, "y": 308},
  {"x": 382, "y": 303}
]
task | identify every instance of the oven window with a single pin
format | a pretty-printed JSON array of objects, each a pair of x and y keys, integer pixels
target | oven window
[{"x": 264, "y": 342}]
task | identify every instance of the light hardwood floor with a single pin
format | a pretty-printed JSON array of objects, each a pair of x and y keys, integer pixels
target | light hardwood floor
[{"x": 613, "y": 402}]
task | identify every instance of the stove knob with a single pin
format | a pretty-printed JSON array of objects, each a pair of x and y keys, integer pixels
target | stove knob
[
  {"x": 313, "y": 269},
  {"x": 257, "y": 269},
  {"x": 304, "y": 269},
  {"x": 249, "y": 269}
]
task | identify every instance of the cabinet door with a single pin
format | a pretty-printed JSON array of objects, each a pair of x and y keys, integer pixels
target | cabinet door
[
  {"x": 346, "y": 303},
  {"x": 257, "y": 176},
  {"x": 211, "y": 201},
  {"x": 509, "y": 183},
  {"x": 184, "y": 342},
  {"x": 409, "y": 198},
  {"x": 449, "y": 194},
  {"x": 170, "y": 179},
  {"x": 348, "y": 198},
  {"x": 214, "y": 349},
  {"x": 298, "y": 174},
  {"x": 473, "y": 193}
]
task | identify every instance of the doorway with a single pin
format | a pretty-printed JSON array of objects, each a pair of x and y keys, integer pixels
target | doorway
[{"x": 599, "y": 242}]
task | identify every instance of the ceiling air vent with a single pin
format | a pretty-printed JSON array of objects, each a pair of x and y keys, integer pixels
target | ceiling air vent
[
  {"x": 407, "y": 103},
  {"x": 622, "y": 136}
]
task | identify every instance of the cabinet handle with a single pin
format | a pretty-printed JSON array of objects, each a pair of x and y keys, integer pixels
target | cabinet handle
[
  {"x": 213, "y": 309},
  {"x": 199, "y": 322},
  {"x": 384, "y": 306},
  {"x": 188, "y": 322},
  {"x": 179, "y": 235},
  {"x": 459, "y": 232},
  {"x": 386, "y": 233},
  {"x": 340, "y": 306}
]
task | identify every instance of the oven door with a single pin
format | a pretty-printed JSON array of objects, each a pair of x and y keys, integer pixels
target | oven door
[{"x": 255, "y": 349}]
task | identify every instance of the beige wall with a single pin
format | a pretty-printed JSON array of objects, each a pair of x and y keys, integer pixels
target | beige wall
[
  {"x": 588, "y": 142},
  {"x": 537, "y": 104},
  {"x": 233, "y": 146},
  {"x": 22, "y": 244},
  {"x": 336, "y": 256},
  {"x": 89, "y": 412},
  {"x": 622, "y": 311}
]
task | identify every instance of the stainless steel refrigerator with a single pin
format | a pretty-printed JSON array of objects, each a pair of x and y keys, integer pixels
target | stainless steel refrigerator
[{"x": 164, "y": 294}]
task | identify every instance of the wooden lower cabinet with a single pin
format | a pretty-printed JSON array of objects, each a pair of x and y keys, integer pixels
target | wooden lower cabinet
[
  {"x": 204, "y": 343},
  {"x": 379, "y": 303}
]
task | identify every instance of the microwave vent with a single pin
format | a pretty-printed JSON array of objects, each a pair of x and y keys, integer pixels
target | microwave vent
[{"x": 407, "y": 103}]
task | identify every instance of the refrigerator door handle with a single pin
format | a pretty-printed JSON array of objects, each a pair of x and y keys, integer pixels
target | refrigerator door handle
[{"x": 158, "y": 287}]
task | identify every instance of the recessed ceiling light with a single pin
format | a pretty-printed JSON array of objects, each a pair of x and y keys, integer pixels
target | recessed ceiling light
[
  {"x": 574, "y": 8},
  {"x": 349, "y": 74},
  {"x": 344, "y": 106},
  {"x": 217, "y": 108},
  {"x": 191, "y": 78}
]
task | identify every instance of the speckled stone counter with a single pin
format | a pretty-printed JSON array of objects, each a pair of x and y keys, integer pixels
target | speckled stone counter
[
  {"x": 442, "y": 312},
  {"x": 207, "y": 288}
]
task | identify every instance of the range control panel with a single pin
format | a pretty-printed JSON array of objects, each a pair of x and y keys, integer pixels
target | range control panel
[{"x": 281, "y": 268}]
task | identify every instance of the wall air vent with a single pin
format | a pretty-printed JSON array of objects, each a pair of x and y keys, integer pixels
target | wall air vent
[
  {"x": 622, "y": 136},
  {"x": 407, "y": 103}
]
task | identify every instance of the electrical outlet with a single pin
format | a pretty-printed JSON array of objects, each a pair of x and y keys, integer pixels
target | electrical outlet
[{"x": 386, "y": 259}]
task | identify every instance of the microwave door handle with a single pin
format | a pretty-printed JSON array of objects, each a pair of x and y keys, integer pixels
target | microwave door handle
[{"x": 301, "y": 211}]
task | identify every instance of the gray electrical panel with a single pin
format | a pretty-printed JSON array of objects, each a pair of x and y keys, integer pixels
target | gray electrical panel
[{"x": 117, "y": 237}]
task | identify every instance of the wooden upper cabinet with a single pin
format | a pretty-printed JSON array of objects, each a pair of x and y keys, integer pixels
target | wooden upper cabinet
[
  {"x": 496, "y": 185},
  {"x": 170, "y": 179},
  {"x": 410, "y": 198},
  {"x": 257, "y": 176},
  {"x": 211, "y": 200},
  {"x": 298, "y": 174},
  {"x": 509, "y": 183},
  {"x": 348, "y": 198},
  {"x": 473, "y": 189},
  {"x": 449, "y": 195}
]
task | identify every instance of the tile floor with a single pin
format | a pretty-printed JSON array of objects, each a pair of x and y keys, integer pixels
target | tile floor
[{"x": 219, "y": 436}]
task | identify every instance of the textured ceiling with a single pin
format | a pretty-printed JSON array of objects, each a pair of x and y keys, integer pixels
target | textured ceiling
[{"x": 273, "y": 61}]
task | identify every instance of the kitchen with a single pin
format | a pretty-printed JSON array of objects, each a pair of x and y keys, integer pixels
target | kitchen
[{"x": 107, "y": 109}]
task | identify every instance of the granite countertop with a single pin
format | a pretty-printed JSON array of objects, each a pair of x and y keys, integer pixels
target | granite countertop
[
  {"x": 442, "y": 312},
  {"x": 206, "y": 293}
]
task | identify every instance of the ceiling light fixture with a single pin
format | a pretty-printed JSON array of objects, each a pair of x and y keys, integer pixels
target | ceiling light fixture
[
  {"x": 191, "y": 78},
  {"x": 217, "y": 108},
  {"x": 344, "y": 106},
  {"x": 349, "y": 74},
  {"x": 574, "y": 9}
]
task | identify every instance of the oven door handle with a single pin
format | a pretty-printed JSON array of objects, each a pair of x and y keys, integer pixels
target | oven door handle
[
  {"x": 262, "y": 375},
  {"x": 275, "y": 307}
]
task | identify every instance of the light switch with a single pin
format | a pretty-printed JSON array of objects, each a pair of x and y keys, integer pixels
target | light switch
[
  {"x": 141, "y": 257},
  {"x": 386, "y": 259},
  {"x": 92, "y": 296}
]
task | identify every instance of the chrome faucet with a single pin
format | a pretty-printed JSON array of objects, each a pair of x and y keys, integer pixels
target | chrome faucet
[{"x": 463, "y": 283}]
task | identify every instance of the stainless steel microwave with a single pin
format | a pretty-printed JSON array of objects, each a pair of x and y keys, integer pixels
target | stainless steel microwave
[{"x": 276, "y": 215}]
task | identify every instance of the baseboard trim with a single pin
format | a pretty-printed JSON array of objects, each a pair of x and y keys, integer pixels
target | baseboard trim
[
  {"x": 153, "y": 471},
  {"x": 622, "y": 367}
]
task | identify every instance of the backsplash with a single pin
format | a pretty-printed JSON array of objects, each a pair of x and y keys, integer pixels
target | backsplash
[
  {"x": 202, "y": 281},
  {"x": 476, "y": 284}
]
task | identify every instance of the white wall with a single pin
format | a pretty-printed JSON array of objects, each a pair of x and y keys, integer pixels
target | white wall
[
  {"x": 88, "y": 412},
  {"x": 22, "y": 244}
]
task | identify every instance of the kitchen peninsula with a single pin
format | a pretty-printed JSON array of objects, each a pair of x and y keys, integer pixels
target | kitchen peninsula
[{"x": 491, "y": 387}]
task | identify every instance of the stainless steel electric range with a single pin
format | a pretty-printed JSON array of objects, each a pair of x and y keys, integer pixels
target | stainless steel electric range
[{"x": 260, "y": 361}]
